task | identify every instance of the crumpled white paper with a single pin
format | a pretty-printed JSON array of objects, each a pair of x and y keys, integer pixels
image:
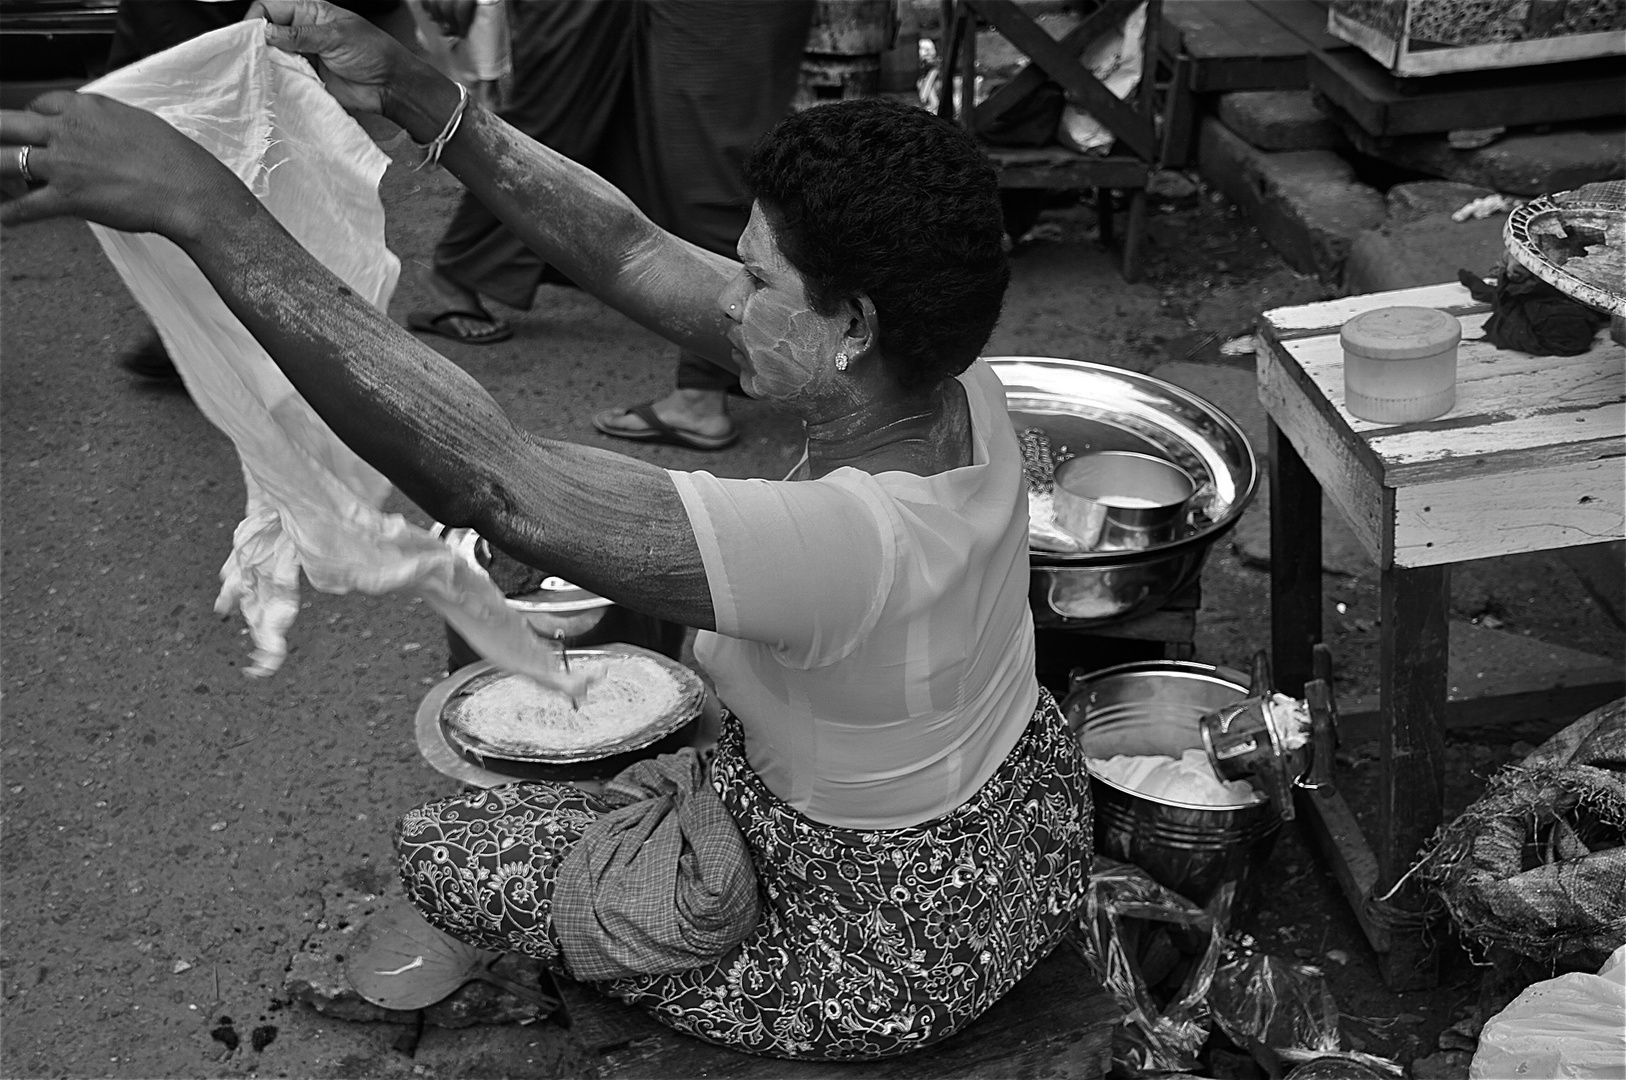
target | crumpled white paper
[
  {"x": 313, "y": 505},
  {"x": 1115, "y": 58}
]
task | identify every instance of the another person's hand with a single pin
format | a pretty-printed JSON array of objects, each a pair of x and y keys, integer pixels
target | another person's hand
[
  {"x": 90, "y": 157},
  {"x": 356, "y": 60}
]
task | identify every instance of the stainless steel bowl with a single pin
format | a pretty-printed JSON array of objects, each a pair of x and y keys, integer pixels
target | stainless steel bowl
[
  {"x": 1153, "y": 707},
  {"x": 1086, "y": 407},
  {"x": 560, "y": 611},
  {"x": 556, "y": 609}
]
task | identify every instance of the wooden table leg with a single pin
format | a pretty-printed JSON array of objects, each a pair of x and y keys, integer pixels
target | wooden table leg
[
  {"x": 1295, "y": 564},
  {"x": 1134, "y": 235},
  {"x": 1411, "y": 796}
]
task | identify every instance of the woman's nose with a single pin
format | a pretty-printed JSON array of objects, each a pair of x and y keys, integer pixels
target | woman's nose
[{"x": 732, "y": 300}]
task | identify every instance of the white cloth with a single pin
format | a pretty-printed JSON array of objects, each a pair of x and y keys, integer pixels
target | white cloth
[
  {"x": 873, "y": 631},
  {"x": 1188, "y": 779},
  {"x": 313, "y": 505}
]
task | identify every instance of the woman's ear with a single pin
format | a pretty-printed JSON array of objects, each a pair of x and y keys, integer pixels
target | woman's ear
[{"x": 864, "y": 328}]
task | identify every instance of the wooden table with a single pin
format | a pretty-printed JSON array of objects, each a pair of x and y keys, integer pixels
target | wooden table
[{"x": 1532, "y": 457}]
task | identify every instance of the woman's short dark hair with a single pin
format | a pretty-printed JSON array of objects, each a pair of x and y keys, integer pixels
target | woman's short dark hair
[{"x": 873, "y": 196}]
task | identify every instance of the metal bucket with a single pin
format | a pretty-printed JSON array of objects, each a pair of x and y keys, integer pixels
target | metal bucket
[{"x": 1153, "y": 708}]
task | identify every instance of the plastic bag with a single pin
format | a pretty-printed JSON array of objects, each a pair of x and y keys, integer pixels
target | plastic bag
[
  {"x": 1135, "y": 935},
  {"x": 1276, "y": 1002},
  {"x": 314, "y": 506},
  {"x": 1262, "y": 1001},
  {"x": 1116, "y": 60},
  {"x": 1573, "y": 1026}
]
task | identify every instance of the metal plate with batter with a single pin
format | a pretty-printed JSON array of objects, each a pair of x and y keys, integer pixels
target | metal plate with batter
[{"x": 691, "y": 693}]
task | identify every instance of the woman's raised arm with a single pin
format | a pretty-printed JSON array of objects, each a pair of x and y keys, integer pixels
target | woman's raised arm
[
  {"x": 611, "y": 523},
  {"x": 565, "y": 212}
]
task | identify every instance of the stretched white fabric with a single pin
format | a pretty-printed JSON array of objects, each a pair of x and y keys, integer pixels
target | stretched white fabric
[{"x": 313, "y": 505}]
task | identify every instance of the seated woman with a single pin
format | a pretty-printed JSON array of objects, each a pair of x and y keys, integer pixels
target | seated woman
[{"x": 915, "y": 811}]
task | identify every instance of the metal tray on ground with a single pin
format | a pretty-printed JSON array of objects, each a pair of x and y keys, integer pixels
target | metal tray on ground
[{"x": 667, "y": 732}]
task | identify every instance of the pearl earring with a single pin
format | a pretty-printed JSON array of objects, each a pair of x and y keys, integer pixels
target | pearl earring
[{"x": 841, "y": 360}]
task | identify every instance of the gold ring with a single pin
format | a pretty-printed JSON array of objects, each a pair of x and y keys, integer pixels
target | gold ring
[{"x": 22, "y": 165}]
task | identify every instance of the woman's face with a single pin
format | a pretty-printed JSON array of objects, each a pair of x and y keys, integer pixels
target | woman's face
[{"x": 783, "y": 347}]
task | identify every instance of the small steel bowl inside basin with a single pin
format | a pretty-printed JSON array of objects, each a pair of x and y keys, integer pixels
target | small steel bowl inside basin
[{"x": 1091, "y": 407}]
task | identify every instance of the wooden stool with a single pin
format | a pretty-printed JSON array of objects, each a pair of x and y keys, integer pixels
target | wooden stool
[{"x": 1529, "y": 459}]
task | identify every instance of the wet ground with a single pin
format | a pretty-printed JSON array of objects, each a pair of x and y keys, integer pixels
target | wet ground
[{"x": 170, "y": 827}]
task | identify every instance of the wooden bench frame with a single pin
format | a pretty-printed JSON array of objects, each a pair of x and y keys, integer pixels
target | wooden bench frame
[{"x": 1129, "y": 167}]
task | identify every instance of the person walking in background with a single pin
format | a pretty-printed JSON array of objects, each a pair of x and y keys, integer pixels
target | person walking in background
[{"x": 664, "y": 98}]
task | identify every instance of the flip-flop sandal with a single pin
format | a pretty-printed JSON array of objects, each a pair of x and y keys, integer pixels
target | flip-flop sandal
[
  {"x": 428, "y": 322},
  {"x": 659, "y": 431},
  {"x": 150, "y": 361}
]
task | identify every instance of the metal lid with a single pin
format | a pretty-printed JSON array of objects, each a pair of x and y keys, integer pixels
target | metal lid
[
  {"x": 555, "y": 596},
  {"x": 1400, "y": 333}
]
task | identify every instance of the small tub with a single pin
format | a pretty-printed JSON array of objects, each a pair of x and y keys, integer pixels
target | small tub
[{"x": 1400, "y": 364}]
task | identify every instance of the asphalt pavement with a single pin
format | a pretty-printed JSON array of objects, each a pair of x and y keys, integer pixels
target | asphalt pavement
[{"x": 170, "y": 827}]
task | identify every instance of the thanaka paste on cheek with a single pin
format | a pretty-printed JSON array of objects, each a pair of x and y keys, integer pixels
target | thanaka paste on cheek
[{"x": 784, "y": 347}]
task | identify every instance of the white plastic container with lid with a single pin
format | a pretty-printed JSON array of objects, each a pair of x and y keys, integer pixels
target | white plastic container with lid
[{"x": 1400, "y": 364}]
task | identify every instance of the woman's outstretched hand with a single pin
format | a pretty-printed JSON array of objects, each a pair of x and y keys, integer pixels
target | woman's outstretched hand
[
  {"x": 90, "y": 157},
  {"x": 356, "y": 60}
]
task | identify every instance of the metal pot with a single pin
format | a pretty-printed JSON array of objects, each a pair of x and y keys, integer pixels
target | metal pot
[
  {"x": 561, "y": 611},
  {"x": 1153, "y": 707},
  {"x": 1085, "y": 407}
]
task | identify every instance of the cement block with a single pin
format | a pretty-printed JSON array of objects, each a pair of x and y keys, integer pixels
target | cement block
[
  {"x": 1424, "y": 251},
  {"x": 1519, "y": 164},
  {"x": 1420, "y": 198},
  {"x": 1279, "y": 120},
  {"x": 1306, "y": 203}
]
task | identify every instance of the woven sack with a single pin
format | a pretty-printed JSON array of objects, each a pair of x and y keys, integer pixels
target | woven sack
[{"x": 1536, "y": 864}]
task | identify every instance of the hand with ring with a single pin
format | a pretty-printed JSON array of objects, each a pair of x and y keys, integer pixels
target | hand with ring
[{"x": 88, "y": 156}]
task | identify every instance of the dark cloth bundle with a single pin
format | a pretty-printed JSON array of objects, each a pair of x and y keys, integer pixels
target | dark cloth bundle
[{"x": 1530, "y": 316}]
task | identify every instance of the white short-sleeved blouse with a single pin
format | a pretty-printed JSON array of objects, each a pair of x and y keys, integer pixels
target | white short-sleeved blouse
[{"x": 873, "y": 632}]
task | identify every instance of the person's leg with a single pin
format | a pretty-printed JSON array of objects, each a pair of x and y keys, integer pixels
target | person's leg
[
  {"x": 711, "y": 77},
  {"x": 571, "y": 60},
  {"x": 481, "y": 866},
  {"x": 874, "y": 944},
  {"x": 476, "y": 255},
  {"x": 693, "y": 415}
]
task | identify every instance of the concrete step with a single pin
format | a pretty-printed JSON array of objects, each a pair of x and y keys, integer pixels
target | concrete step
[
  {"x": 1306, "y": 203},
  {"x": 1419, "y": 244},
  {"x": 1280, "y": 120}
]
